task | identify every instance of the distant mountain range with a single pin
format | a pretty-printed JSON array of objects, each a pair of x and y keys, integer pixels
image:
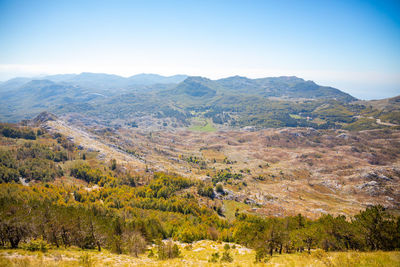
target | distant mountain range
[
  {"x": 234, "y": 101},
  {"x": 284, "y": 87},
  {"x": 288, "y": 87},
  {"x": 109, "y": 81}
]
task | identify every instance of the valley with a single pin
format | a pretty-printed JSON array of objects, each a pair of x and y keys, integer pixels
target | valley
[
  {"x": 191, "y": 171},
  {"x": 199, "y": 133},
  {"x": 285, "y": 171}
]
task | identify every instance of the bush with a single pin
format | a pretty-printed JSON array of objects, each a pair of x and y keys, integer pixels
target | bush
[
  {"x": 168, "y": 250},
  {"x": 220, "y": 189},
  {"x": 37, "y": 245},
  {"x": 261, "y": 255},
  {"x": 226, "y": 257},
  {"x": 151, "y": 254},
  {"x": 136, "y": 243},
  {"x": 214, "y": 257},
  {"x": 206, "y": 192},
  {"x": 13, "y": 132}
]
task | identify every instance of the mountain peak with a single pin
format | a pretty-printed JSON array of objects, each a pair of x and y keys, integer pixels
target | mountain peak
[{"x": 44, "y": 117}]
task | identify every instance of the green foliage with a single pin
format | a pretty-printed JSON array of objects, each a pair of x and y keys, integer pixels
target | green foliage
[
  {"x": 113, "y": 164},
  {"x": 220, "y": 189},
  {"x": 214, "y": 257},
  {"x": 8, "y": 130},
  {"x": 206, "y": 191},
  {"x": 34, "y": 150},
  {"x": 391, "y": 117},
  {"x": 363, "y": 124},
  {"x": 226, "y": 256},
  {"x": 164, "y": 186},
  {"x": 261, "y": 255},
  {"x": 195, "y": 160},
  {"x": 86, "y": 173},
  {"x": 226, "y": 175},
  {"x": 168, "y": 250},
  {"x": 37, "y": 245},
  {"x": 39, "y": 169},
  {"x": 371, "y": 229},
  {"x": 27, "y": 162},
  {"x": 8, "y": 175},
  {"x": 135, "y": 243},
  {"x": 378, "y": 228}
]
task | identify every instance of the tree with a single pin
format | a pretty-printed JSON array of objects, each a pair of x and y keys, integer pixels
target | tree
[
  {"x": 113, "y": 164},
  {"x": 378, "y": 228},
  {"x": 14, "y": 232},
  {"x": 220, "y": 189},
  {"x": 167, "y": 250},
  {"x": 117, "y": 236},
  {"x": 309, "y": 237},
  {"x": 135, "y": 243}
]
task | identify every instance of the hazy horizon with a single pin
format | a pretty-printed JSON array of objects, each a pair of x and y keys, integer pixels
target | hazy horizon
[
  {"x": 349, "y": 45},
  {"x": 361, "y": 96}
]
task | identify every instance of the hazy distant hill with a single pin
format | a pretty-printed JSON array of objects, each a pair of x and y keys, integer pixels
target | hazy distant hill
[
  {"x": 195, "y": 87},
  {"x": 37, "y": 95},
  {"x": 148, "y": 79},
  {"x": 282, "y": 87},
  {"x": 233, "y": 101},
  {"x": 13, "y": 84},
  {"x": 108, "y": 81}
]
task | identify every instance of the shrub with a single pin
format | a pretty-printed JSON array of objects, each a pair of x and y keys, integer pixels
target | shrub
[
  {"x": 136, "y": 243},
  {"x": 220, "y": 189},
  {"x": 206, "y": 192},
  {"x": 226, "y": 256},
  {"x": 214, "y": 257},
  {"x": 37, "y": 245},
  {"x": 167, "y": 250},
  {"x": 151, "y": 254},
  {"x": 262, "y": 255}
]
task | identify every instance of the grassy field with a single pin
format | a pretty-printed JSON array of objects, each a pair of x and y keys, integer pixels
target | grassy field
[
  {"x": 198, "y": 254},
  {"x": 202, "y": 125},
  {"x": 295, "y": 116},
  {"x": 231, "y": 206}
]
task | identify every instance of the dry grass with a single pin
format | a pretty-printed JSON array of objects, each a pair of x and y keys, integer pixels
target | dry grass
[
  {"x": 198, "y": 255},
  {"x": 308, "y": 172}
]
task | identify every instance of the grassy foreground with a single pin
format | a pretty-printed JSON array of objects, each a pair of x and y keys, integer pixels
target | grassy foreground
[{"x": 197, "y": 255}]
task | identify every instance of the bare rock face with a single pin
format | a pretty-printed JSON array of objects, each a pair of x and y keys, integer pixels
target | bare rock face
[{"x": 44, "y": 117}]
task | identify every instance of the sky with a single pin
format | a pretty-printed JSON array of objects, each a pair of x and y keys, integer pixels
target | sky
[{"x": 350, "y": 45}]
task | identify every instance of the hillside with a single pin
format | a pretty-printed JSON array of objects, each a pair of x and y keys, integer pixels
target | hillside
[
  {"x": 276, "y": 195},
  {"x": 281, "y": 171}
]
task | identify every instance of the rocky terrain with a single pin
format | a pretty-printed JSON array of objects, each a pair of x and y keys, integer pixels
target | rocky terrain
[{"x": 279, "y": 171}]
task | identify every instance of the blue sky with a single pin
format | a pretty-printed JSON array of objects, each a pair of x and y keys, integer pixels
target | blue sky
[{"x": 351, "y": 45}]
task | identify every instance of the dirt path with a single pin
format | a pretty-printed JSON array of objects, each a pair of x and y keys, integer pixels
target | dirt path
[{"x": 378, "y": 121}]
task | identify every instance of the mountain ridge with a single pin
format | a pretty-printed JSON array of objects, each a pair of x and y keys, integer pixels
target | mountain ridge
[{"x": 236, "y": 101}]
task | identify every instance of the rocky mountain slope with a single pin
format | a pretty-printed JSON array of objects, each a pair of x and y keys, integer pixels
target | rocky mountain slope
[{"x": 275, "y": 172}]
